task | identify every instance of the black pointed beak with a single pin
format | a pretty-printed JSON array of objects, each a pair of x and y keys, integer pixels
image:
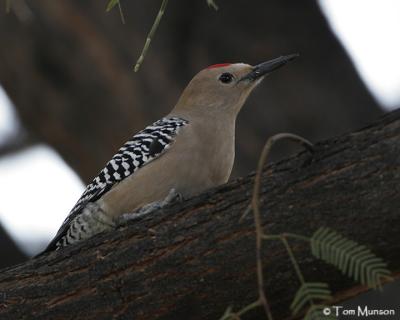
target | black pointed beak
[{"x": 267, "y": 67}]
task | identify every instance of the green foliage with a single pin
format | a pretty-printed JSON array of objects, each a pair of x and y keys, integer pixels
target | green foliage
[
  {"x": 316, "y": 312},
  {"x": 212, "y": 4},
  {"x": 111, "y": 4},
  {"x": 353, "y": 259},
  {"x": 307, "y": 293}
]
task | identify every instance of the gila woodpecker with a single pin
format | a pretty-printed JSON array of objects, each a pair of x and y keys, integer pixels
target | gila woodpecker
[{"x": 189, "y": 150}]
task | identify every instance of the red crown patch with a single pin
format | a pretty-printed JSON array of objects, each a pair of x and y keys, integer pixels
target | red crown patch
[{"x": 218, "y": 65}]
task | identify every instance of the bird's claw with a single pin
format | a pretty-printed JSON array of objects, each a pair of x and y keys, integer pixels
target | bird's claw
[{"x": 172, "y": 197}]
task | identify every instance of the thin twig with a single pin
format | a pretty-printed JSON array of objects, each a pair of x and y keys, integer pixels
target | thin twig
[
  {"x": 236, "y": 315},
  {"x": 260, "y": 236},
  {"x": 249, "y": 307},
  {"x": 256, "y": 210},
  {"x": 121, "y": 13},
  {"x": 246, "y": 212},
  {"x": 111, "y": 4},
  {"x": 212, "y": 4},
  {"x": 296, "y": 236},
  {"x": 286, "y": 235},
  {"x": 271, "y": 237},
  {"x": 293, "y": 260},
  {"x": 151, "y": 35}
]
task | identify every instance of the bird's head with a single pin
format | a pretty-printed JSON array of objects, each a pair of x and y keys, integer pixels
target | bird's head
[{"x": 225, "y": 87}]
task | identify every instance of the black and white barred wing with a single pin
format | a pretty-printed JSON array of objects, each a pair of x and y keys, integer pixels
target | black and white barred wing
[{"x": 144, "y": 147}]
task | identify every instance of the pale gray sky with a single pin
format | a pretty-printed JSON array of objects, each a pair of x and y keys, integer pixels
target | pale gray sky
[{"x": 370, "y": 32}]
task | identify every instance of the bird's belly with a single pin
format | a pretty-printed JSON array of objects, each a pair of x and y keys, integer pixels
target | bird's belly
[
  {"x": 188, "y": 175},
  {"x": 193, "y": 163}
]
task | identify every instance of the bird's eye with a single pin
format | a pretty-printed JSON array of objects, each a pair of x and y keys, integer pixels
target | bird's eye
[{"x": 226, "y": 77}]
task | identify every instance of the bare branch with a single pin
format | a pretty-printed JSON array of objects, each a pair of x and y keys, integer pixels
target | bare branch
[
  {"x": 16, "y": 143},
  {"x": 151, "y": 34}
]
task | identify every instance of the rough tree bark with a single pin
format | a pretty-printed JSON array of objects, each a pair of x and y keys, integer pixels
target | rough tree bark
[
  {"x": 193, "y": 259},
  {"x": 67, "y": 67},
  {"x": 9, "y": 252}
]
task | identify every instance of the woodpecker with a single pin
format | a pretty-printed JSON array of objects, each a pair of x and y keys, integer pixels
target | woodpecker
[{"x": 189, "y": 150}]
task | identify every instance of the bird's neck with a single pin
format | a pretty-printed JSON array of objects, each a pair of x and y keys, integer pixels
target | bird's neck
[
  {"x": 209, "y": 113},
  {"x": 213, "y": 136},
  {"x": 210, "y": 121}
]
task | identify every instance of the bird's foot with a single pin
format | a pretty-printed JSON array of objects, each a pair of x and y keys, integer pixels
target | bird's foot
[{"x": 172, "y": 197}]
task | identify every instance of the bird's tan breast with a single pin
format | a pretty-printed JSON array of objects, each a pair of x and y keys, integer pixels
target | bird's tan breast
[{"x": 198, "y": 159}]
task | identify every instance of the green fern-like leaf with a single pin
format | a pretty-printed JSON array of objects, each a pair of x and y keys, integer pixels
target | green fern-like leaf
[
  {"x": 353, "y": 259},
  {"x": 307, "y": 293},
  {"x": 316, "y": 312},
  {"x": 111, "y": 4},
  {"x": 212, "y": 4}
]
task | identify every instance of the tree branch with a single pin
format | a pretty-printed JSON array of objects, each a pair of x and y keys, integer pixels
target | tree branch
[
  {"x": 22, "y": 140},
  {"x": 193, "y": 260}
]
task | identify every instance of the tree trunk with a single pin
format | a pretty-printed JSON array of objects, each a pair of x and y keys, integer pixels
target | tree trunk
[
  {"x": 68, "y": 67},
  {"x": 9, "y": 251},
  {"x": 194, "y": 259}
]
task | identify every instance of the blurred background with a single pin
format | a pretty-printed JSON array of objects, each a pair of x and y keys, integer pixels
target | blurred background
[{"x": 69, "y": 97}]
